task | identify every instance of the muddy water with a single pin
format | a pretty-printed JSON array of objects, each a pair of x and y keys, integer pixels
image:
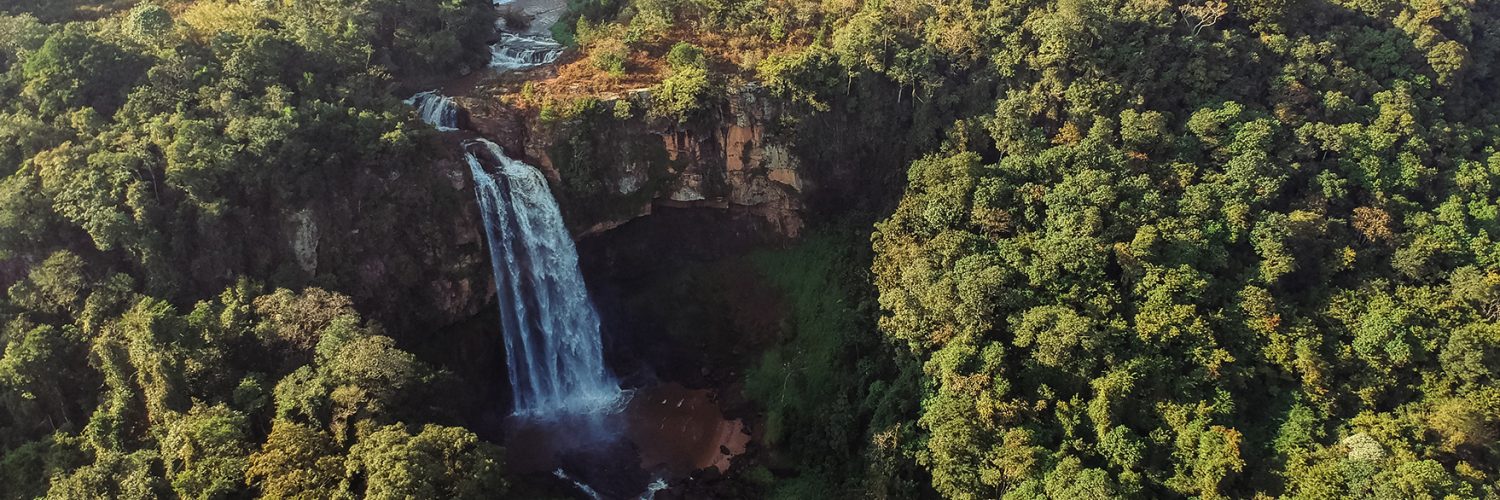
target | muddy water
[{"x": 679, "y": 430}]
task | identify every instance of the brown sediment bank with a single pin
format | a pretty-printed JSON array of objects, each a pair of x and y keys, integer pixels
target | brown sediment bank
[{"x": 680, "y": 430}]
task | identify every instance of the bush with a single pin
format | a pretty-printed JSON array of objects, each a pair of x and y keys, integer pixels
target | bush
[
  {"x": 682, "y": 94},
  {"x": 609, "y": 55},
  {"x": 685, "y": 56}
]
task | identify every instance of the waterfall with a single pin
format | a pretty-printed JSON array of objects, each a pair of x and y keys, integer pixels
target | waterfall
[
  {"x": 584, "y": 488},
  {"x": 517, "y": 52},
  {"x": 436, "y": 109},
  {"x": 552, "y": 344},
  {"x": 651, "y": 489}
]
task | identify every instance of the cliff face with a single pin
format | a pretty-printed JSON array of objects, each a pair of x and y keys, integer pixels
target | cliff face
[
  {"x": 463, "y": 284},
  {"x": 760, "y": 174},
  {"x": 408, "y": 248},
  {"x": 610, "y": 164},
  {"x": 424, "y": 261}
]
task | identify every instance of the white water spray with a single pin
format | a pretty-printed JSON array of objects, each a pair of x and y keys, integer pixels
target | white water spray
[
  {"x": 651, "y": 489},
  {"x": 436, "y": 109},
  {"x": 552, "y": 344},
  {"x": 586, "y": 489},
  {"x": 518, "y": 52}
]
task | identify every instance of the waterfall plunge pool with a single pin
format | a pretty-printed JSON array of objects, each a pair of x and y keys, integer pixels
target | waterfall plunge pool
[{"x": 569, "y": 413}]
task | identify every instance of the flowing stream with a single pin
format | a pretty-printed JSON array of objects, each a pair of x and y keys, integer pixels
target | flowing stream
[
  {"x": 552, "y": 344},
  {"x": 529, "y": 45},
  {"x": 564, "y": 396},
  {"x": 518, "y": 52},
  {"x": 435, "y": 109}
]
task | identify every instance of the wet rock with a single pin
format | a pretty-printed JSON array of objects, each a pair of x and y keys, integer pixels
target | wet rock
[{"x": 505, "y": 125}]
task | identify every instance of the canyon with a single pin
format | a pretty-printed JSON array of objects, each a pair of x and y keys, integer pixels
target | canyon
[{"x": 720, "y": 189}]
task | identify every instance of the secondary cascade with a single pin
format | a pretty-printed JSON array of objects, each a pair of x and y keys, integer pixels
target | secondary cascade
[
  {"x": 436, "y": 109},
  {"x": 518, "y": 52},
  {"x": 552, "y": 343}
]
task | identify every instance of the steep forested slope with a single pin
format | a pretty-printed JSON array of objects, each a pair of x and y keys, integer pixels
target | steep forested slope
[
  {"x": 156, "y": 166},
  {"x": 1207, "y": 249},
  {"x": 1155, "y": 247}
]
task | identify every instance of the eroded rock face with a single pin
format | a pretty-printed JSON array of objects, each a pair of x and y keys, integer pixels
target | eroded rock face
[
  {"x": 611, "y": 169},
  {"x": 414, "y": 257},
  {"x": 462, "y": 285},
  {"x": 304, "y": 239},
  {"x": 753, "y": 170},
  {"x": 496, "y": 121}
]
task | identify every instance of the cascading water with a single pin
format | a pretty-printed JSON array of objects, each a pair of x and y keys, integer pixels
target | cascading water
[
  {"x": 552, "y": 344},
  {"x": 583, "y": 488},
  {"x": 517, "y": 52},
  {"x": 436, "y": 109},
  {"x": 653, "y": 488}
]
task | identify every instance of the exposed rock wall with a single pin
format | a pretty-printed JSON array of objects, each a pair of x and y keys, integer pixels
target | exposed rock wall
[
  {"x": 612, "y": 168},
  {"x": 304, "y": 239},
  {"x": 409, "y": 250},
  {"x": 755, "y": 171},
  {"x": 607, "y": 171}
]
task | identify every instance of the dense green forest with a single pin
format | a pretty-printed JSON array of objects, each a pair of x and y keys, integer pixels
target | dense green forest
[
  {"x": 1149, "y": 247},
  {"x": 1095, "y": 248},
  {"x": 146, "y": 158}
]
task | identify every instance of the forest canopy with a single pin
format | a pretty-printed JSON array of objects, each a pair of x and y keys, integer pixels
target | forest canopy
[
  {"x": 1202, "y": 249},
  {"x": 1154, "y": 248},
  {"x": 1125, "y": 248},
  {"x": 148, "y": 154}
]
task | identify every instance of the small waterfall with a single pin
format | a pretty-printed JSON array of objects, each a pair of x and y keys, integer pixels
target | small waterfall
[
  {"x": 552, "y": 344},
  {"x": 651, "y": 489},
  {"x": 436, "y": 109},
  {"x": 586, "y": 489},
  {"x": 518, "y": 52}
]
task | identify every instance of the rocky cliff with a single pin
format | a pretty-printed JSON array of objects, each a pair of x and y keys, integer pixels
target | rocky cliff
[
  {"x": 407, "y": 247},
  {"x": 611, "y": 163},
  {"x": 424, "y": 260}
]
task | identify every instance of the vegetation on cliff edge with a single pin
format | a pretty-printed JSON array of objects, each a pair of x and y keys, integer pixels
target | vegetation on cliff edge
[
  {"x": 151, "y": 157},
  {"x": 1162, "y": 247}
]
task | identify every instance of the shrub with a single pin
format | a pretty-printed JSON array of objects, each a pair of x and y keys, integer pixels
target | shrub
[
  {"x": 685, "y": 55},
  {"x": 609, "y": 55}
]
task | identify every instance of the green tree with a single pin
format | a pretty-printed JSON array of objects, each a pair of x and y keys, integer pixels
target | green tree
[
  {"x": 436, "y": 462},
  {"x": 74, "y": 68},
  {"x": 204, "y": 452},
  {"x": 296, "y": 462}
]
